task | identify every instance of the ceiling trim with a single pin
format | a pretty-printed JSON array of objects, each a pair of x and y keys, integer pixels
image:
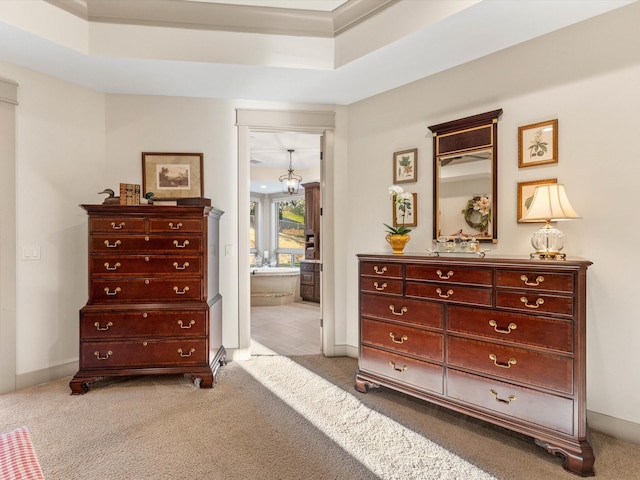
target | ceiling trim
[
  {"x": 225, "y": 17},
  {"x": 294, "y": 120},
  {"x": 8, "y": 91}
]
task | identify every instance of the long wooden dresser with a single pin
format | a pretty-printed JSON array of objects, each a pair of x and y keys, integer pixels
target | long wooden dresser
[
  {"x": 500, "y": 339},
  {"x": 154, "y": 305}
]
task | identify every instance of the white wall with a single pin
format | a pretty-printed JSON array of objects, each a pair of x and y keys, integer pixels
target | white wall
[
  {"x": 587, "y": 77},
  {"x": 137, "y": 124},
  {"x": 59, "y": 164}
]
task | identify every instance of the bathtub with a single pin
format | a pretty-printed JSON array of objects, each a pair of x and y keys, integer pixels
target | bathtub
[{"x": 274, "y": 285}]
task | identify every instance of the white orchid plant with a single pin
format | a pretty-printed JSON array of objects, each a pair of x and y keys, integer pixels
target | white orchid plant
[{"x": 402, "y": 202}]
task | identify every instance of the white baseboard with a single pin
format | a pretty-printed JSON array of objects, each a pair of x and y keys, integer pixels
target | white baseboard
[
  {"x": 37, "y": 377},
  {"x": 616, "y": 427}
]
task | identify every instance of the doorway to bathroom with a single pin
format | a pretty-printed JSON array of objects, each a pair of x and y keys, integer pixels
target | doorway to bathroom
[{"x": 284, "y": 243}]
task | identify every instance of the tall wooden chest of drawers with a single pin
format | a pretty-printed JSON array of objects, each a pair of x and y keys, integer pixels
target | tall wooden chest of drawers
[
  {"x": 500, "y": 339},
  {"x": 154, "y": 305}
]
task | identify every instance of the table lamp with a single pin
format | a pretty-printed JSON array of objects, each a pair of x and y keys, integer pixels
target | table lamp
[{"x": 550, "y": 203}]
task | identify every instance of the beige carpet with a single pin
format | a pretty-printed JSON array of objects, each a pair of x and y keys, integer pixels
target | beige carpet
[{"x": 307, "y": 423}]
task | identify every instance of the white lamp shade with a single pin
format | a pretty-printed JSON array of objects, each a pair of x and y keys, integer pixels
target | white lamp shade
[{"x": 549, "y": 203}]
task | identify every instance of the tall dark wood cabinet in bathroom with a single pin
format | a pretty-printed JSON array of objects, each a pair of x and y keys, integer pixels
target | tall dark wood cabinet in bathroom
[{"x": 310, "y": 267}]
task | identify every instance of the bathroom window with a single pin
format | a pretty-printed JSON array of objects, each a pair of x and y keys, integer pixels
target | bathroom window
[
  {"x": 254, "y": 229},
  {"x": 289, "y": 228}
]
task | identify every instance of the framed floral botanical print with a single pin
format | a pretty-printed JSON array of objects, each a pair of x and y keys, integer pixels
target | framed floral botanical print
[
  {"x": 538, "y": 144},
  {"x": 405, "y": 166},
  {"x": 525, "y": 195}
]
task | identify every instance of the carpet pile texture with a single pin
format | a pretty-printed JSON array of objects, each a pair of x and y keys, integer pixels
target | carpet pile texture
[{"x": 274, "y": 417}]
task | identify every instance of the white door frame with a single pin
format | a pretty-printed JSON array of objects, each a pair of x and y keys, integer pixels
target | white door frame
[
  {"x": 315, "y": 122},
  {"x": 8, "y": 102}
]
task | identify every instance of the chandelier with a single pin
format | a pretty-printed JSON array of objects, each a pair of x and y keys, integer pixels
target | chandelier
[{"x": 290, "y": 181}]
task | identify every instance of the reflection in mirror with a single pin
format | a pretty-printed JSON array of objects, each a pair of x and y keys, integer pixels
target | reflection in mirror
[
  {"x": 464, "y": 195},
  {"x": 465, "y": 178}
]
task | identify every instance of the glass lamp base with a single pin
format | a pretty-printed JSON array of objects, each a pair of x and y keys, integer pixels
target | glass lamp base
[
  {"x": 548, "y": 241},
  {"x": 548, "y": 256}
]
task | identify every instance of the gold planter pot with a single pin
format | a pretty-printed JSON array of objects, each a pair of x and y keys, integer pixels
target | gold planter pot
[{"x": 397, "y": 242}]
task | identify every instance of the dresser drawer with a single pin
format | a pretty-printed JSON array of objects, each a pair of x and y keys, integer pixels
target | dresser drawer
[
  {"x": 172, "y": 225},
  {"x": 471, "y": 276},
  {"x": 449, "y": 293},
  {"x": 145, "y": 290},
  {"x": 428, "y": 314},
  {"x": 534, "y": 281},
  {"x": 387, "y": 270},
  {"x": 421, "y": 375},
  {"x": 535, "y": 303},
  {"x": 309, "y": 267},
  {"x": 512, "y": 402},
  {"x": 143, "y": 353},
  {"x": 145, "y": 244},
  {"x": 144, "y": 265},
  {"x": 307, "y": 291},
  {"x": 555, "y": 334},
  {"x": 378, "y": 285},
  {"x": 544, "y": 370},
  {"x": 402, "y": 339},
  {"x": 121, "y": 324},
  {"x": 117, "y": 224},
  {"x": 307, "y": 278}
]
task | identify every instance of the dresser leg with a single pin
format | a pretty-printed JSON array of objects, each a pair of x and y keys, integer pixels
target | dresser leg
[
  {"x": 80, "y": 385},
  {"x": 363, "y": 386},
  {"x": 579, "y": 461}
]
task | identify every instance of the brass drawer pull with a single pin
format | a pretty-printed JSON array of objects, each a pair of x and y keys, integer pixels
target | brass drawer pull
[
  {"x": 115, "y": 267},
  {"x": 444, "y": 277},
  {"x": 381, "y": 287},
  {"x": 177, "y": 226},
  {"x": 177, "y": 266},
  {"x": 184, "y": 290},
  {"x": 115, "y": 292},
  {"x": 511, "y": 326},
  {"x": 539, "y": 302},
  {"x": 112, "y": 245},
  {"x": 403, "y": 339},
  {"x": 191, "y": 323},
  {"x": 97, "y": 354},
  {"x": 98, "y": 327},
  {"x": 501, "y": 400},
  {"x": 402, "y": 311},
  {"x": 511, "y": 361},
  {"x": 441, "y": 295},
  {"x": 534, "y": 283},
  {"x": 184, "y": 355},
  {"x": 118, "y": 226},
  {"x": 177, "y": 244},
  {"x": 401, "y": 369},
  {"x": 379, "y": 271}
]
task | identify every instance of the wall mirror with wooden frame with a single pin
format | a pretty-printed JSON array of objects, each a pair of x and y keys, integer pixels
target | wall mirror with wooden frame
[{"x": 465, "y": 177}]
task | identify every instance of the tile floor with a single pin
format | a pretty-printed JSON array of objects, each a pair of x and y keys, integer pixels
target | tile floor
[{"x": 291, "y": 329}]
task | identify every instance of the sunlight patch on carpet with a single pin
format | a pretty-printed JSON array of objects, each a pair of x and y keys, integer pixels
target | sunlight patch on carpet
[{"x": 384, "y": 446}]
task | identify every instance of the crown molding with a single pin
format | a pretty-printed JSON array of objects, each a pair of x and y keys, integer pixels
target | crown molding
[
  {"x": 224, "y": 17},
  {"x": 8, "y": 91}
]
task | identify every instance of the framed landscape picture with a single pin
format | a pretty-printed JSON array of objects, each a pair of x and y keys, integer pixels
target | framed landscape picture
[
  {"x": 405, "y": 166},
  {"x": 538, "y": 144},
  {"x": 525, "y": 195},
  {"x": 172, "y": 175}
]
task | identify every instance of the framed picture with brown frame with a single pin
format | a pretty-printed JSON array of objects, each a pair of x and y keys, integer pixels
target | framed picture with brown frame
[
  {"x": 172, "y": 175},
  {"x": 406, "y": 214},
  {"x": 525, "y": 195},
  {"x": 405, "y": 166},
  {"x": 538, "y": 144}
]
